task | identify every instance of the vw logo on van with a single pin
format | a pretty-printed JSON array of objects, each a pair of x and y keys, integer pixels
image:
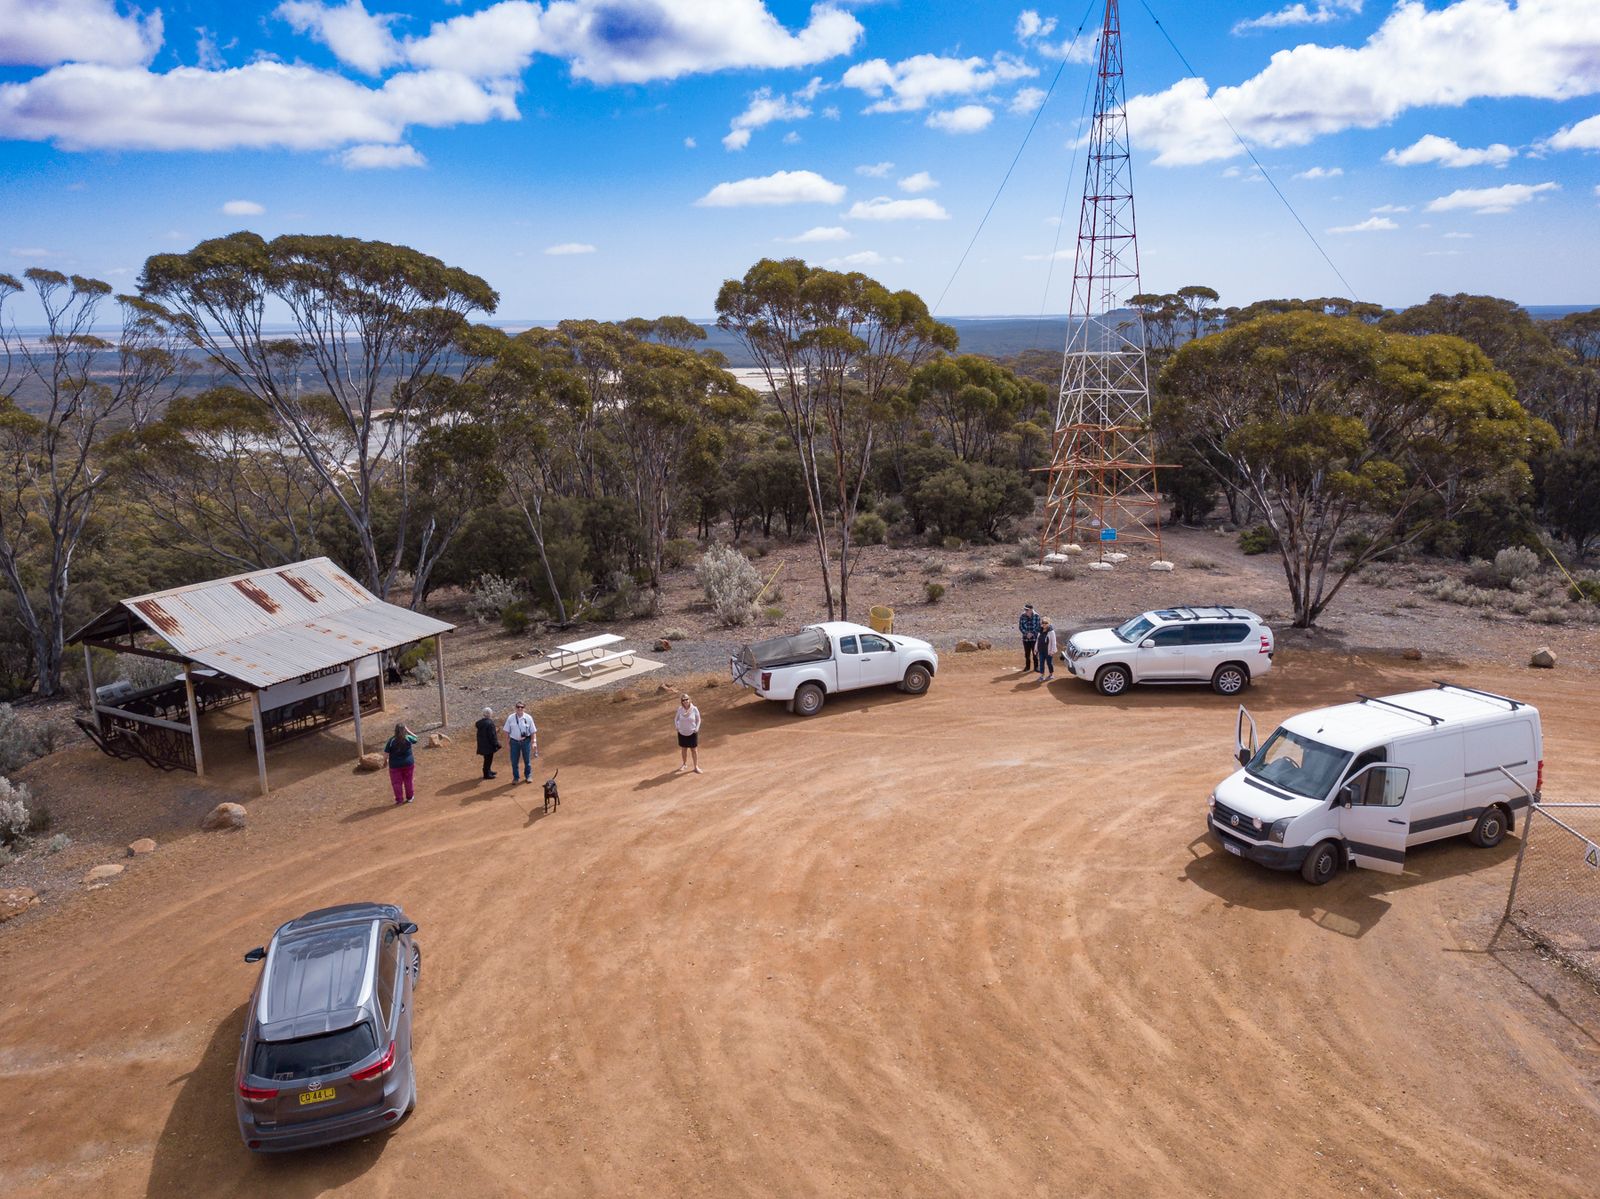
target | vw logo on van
[{"x": 1234, "y": 820}]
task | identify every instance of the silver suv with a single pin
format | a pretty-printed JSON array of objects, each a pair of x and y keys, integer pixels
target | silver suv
[
  {"x": 326, "y": 1050},
  {"x": 1226, "y": 647}
]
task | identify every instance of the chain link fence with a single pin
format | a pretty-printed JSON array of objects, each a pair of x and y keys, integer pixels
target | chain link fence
[{"x": 1555, "y": 889}]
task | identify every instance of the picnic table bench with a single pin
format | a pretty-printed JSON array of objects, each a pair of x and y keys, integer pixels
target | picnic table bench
[
  {"x": 586, "y": 668},
  {"x": 594, "y": 649}
]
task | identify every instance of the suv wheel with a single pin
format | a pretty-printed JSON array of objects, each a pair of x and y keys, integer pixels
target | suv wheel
[
  {"x": 1230, "y": 679},
  {"x": 1112, "y": 680}
]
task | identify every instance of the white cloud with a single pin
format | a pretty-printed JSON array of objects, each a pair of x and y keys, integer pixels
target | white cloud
[
  {"x": 1026, "y": 102},
  {"x": 80, "y": 106},
  {"x": 763, "y": 109},
  {"x": 1081, "y": 48},
  {"x": 569, "y": 247},
  {"x": 1419, "y": 57},
  {"x": 1373, "y": 224},
  {"x": 780, "y": 187},
  {"x": 377, "y": 157},
  {"x": 45, "y": 33},
  {"x": 860, "y": 258},
  {"x": 1458, "y": 236},
  {"x": 32, "y": 253},
  {"x": 1444, "y": 151},
  {"x": 882, "y": 208},
  {"x": 689, "y": 143},
  {"x": 792, "y": 138},
  {"x": 830, "y": 113},
  {"x": 910, "y": 84},
  {"x": 1585, "y": 135},
  {"x": 1030, "y": 25},
  {"x": 920, "y": 182},
  {"x": 242, "y": 208},
  {"x": 356, "y": 37},
  {"x": 1318, "y": 12},
  {"x": 969, "y": 118},
  {"x": 1250, "y": 174},
  {"x": 1442, "y": 253},
  {"x": 1484, "y": 200},
  {"x": 1058, "y": 256},
  {"x": 1321, "y": 173},
  {"x": 633, "y": 41},
  {"x": 1392, "y": 208},
  {"x": 821, "y": 233},
  {"x": 875, "y": 170}
]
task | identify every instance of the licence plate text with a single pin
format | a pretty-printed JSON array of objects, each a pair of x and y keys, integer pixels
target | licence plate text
[
  {"x": 1233, "y": 849},
  {"x": 322, "y": 1096}
]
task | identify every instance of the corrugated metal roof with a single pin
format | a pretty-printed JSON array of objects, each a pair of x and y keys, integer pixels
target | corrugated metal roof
[{"x": 272, "y": 625}]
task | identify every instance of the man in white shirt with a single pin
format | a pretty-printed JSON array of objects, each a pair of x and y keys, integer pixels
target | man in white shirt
[
  {"x": 687, "y": 721},
  {"x": 523, "y": 736}
]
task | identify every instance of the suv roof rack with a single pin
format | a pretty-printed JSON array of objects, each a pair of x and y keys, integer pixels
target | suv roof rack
[
  {"x": 1428, "y": 716},
  {"x": 1446, "y": 685},
  {"x": 1205, "y": 612}
]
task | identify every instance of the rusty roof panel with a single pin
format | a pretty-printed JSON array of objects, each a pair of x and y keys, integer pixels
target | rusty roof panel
[{"x": 269, "y": 626}]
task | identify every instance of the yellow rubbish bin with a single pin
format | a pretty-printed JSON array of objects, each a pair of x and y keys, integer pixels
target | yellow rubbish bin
[{"x": 882, "y": 619}]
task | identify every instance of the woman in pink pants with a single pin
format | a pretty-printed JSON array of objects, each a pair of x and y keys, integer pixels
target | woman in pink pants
[{"x": 402, "y": 763}]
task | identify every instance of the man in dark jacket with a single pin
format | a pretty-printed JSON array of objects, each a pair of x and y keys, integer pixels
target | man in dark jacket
[
  {"x": 1028, "y": 625},
  {"x": 488, "y": 741}
]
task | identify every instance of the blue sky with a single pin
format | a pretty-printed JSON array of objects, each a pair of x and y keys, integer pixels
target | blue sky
[{"x": 616, "y": 157}]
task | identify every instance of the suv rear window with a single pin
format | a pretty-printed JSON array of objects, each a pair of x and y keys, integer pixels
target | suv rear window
[
  {"x": 326, "y": 1053},
  {"x": 1218, "y": 634}
]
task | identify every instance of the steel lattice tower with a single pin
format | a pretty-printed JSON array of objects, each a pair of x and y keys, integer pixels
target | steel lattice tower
[{"x": 1102, "y": 473}]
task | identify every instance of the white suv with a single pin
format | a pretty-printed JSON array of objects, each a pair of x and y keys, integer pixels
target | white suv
[{"x": 1226, "y": 647}]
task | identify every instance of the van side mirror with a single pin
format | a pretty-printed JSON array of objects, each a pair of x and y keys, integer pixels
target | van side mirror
[
  {"x": 256, "y": 954},
  {"x": 408, "y": 928},
  {"x": 1350, "y": 794},
  {"x": 1244, "y": 756}
]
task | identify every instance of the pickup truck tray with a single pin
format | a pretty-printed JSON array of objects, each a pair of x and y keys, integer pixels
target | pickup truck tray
[{"x": 808, "y": 645}]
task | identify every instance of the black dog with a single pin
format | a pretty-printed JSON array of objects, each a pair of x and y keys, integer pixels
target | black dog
[{"x": 552, "y": 796}]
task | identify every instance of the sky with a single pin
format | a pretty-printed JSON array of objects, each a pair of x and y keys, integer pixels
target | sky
[{"x": 611, "y": 158}]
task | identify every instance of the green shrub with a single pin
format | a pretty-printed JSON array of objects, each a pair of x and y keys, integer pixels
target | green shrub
[
  {"x": 1015, "y": 558},
  {"x": 730, "y": 583},
  {"x": 869, "y": 529},
  {"x": 490, "y": 595},
  {"x": 933, "y": 568},
  {"x": 1061, "y": 570},
  {"x": 1584, "y": 589},
  {"x": 514, "y": 619},
  {"x": 1259, "y": 540},
  {"x": 16, "y": 821},
  {"x": 679, "y": 551},
  {"x": 675, "y": 635},
  {"x": 1202, "y": 564},
  {"x": 934, "y": 592},
  {"x": 952, "y": 543},
  {"x": 773, "y": 613},
  {"x": 978, "y": 574},
  {"x": 59, "y": 842},
  {"x": 1550, "y": 615},
  {"x": 419, "y": 654},
  {"x": 20, "y": 744}
]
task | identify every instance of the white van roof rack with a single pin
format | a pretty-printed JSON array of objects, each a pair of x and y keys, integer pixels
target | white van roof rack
[
  {"x": 1428, "y": 716},
  {"x": 1446, "y": 685}
]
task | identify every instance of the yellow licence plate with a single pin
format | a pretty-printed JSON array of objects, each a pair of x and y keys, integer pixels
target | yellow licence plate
[{"x": 321, "y": 1096}]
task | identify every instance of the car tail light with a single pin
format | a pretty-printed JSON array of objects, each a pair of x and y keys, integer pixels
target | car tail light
[
  {"x": 382, "y": 1066},
  {"x": 1538, "y": 782},
  {"x": 1266, "y": 644},
  {"x": 766, "y": 680},
  {"x": 256, "y": 1094}
]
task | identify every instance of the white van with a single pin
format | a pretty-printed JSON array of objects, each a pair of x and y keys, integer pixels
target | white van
[{"x": 1354, "y": 785}]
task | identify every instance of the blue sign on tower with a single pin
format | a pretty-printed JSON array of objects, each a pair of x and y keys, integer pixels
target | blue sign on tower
[{"x": 1108, "y": 534}]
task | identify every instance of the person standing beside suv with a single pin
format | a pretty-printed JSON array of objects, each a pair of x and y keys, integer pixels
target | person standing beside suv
[
  {"x": 1045, "y": 651},
  {"x": 1028, "y": 624}
]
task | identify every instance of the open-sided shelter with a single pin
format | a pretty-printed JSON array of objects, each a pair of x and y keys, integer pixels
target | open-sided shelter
[{"x": 304, "y": 644}]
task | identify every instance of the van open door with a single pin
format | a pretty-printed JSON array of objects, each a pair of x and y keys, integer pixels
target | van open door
[
  {"x": 1244, "y": 743},
  {"x": 1374, "y": 818}
]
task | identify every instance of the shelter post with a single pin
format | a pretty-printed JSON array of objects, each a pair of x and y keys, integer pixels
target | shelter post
[
  {"x": 438, "y": 661},
  {"x": 261, "y": 739},
  {"x": 383, "y": 669},
  {"x": 355, "y": 708},
  {"x": 88, "y": 675},
  {"x": 194, "y": 722}
]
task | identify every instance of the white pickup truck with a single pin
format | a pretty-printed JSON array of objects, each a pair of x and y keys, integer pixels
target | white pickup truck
[{"x": 804, "y": 668}]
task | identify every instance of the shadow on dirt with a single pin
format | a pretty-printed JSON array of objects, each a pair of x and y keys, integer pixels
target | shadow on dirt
[
  {"x": 199, "y": 1151},
  {"x": 1352, "y": 903}
]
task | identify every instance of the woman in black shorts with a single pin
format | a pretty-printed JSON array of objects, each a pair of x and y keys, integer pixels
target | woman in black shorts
[{"x": 687, "y": 721}]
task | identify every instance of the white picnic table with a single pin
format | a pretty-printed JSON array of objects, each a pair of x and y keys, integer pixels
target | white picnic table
[{"x": 589, "y": 647}]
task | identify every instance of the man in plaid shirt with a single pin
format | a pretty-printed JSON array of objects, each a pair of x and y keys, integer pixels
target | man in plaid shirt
[{"x": 1028, "y": 625}]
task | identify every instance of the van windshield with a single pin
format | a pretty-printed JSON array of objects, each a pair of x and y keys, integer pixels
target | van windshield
[
  {"x": 1134, "y": 630},
  {"x": 1298, "y": 764}
]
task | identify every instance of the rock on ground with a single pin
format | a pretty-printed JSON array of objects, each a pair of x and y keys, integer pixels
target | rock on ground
[
  {"x": 1412, "y": 655},
  {"x": 16, "y": 900},
  {"x": 225, "y": 815},
  {"x": 101, "y": 873},
  {"x": 1544, "y": 657},
  {"x": 663, "y": 645},
  {"x": 370, "y": 762},
  {"x": 141, "y": 847},
  {"x": 966, "y": 647}
]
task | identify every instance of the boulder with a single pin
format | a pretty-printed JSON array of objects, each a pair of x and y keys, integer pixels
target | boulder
[
  {"x": 224, "y": 815},
  {"x": 142, "y": 846},
  {"x": 438, "y": 740},
  {"x": 662, "y": 645},
  {"x": 1161, "y": 565},
  {"x": 518, "y": 656},
  {"x": 1116, "y": 556},
  {"x": 982, "y": 644},
  {"x": 1412, "y": 655},
  {"x": 372, "y": 761},
  {"x": 1101, "y": 566},
  {"x": 16, "y": 900},
  {"x": 100, "y": 873},
  {"x": 622, "y": 697},
  {"x": 966, "y": 647},
  {"x": 1074, "y": 548},
  {"x": 1544, "y": 658}
]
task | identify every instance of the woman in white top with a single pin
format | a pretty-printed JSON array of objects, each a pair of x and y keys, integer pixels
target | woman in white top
[{"x": 687, "y": 721}]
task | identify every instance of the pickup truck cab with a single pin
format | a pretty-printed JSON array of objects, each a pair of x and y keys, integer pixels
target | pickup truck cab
[
  {"x": 1358, "y": 784},
  {"x": 804, "y": 668}
]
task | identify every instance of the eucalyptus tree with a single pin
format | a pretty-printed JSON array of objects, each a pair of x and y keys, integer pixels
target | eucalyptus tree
[
  {"x": 63, "y": 397},
  {"x": 972, "y": 401},
  {"x": 1346, "y": 437},
  {"x": 834, "y": 349},
  {"x": 369, "y": 323}
]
